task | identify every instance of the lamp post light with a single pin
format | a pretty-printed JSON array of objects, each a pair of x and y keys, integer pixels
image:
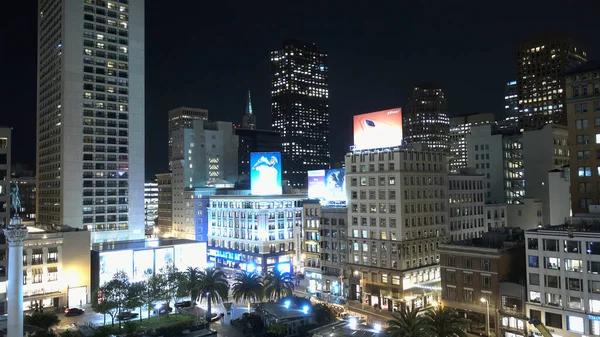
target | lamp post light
[{"x": 487, "y": 316}]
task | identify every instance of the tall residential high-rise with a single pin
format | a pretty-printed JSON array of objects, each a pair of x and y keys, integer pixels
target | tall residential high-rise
[
  {"x": 183, "y": 118},
  {"x": 425, "y": 119},
  {"x": 249, "y": 119},
  {"x": 541, "y": 66},
  {"x": 90, "y": 116},
  {"x": 583, "y": 106},
  {"x": 460, "y": 127},
  {"x": 300, "y": 108}
]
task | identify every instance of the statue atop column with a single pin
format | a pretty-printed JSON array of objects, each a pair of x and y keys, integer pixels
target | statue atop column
[{"x": 15, "y": 201}]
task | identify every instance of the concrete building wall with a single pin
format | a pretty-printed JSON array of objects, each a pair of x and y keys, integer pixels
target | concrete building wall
[
  {"x": 543, "y": 150},
  {"x": 466, "y": 194},
  {"x": 525, "y": 216},
  {"x": 559, "y": 198},
  {"x": 495, "y": 216},
  {"x": 485, "y": 154},
  {"x": 563, "y": 278}
]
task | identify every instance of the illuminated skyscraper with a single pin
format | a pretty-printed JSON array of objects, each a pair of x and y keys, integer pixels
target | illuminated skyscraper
[
  {"x": 425, "y": 118},
  {"x": 249, "y": 120},
  {"x": 541, "y": 66},
  {"x": 90, "y": 116},
  {"x": 300, "y": 108}
]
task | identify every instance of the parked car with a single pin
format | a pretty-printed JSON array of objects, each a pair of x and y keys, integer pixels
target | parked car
[
  {"x": 74, "y": 311},
  {"x": 126, "y": 315},
  {"x": 161, "y": 309},
  {"x": 183, "y": 304}
]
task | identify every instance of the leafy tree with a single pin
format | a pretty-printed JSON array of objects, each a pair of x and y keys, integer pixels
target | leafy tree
[
  {"x": 278, "y": 285},
  {"x": 152, "y": 291},
  {"x": 115, "y": 292},
  {"x": 247, "y": 286},
  {"x": 277, "y": 330},
  {"x": 171, "y": 279},
  {"x": 69, "y": 334},
  {"x": 135, "y": 297},
  {"x": 408, "y": 323},
  {"x": 191, "y": 282},
  {"x": 213, "y": 287},
  {"x": 323, "y": 314},
  {"x": 445, "y": 322},
  {"x": 42, "y": 320},
  {"x": 100, "y": 305},
  {"x": 129, "y": 329}
]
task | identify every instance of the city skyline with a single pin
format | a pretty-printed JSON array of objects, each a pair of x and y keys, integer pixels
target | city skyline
[{"x": 208, "y": 72}]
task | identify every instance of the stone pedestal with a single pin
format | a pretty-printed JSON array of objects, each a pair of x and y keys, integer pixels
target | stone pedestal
[{"x": 15, "y": 234}]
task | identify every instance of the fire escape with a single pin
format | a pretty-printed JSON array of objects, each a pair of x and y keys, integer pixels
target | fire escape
[{"x": 514, "y": 181}]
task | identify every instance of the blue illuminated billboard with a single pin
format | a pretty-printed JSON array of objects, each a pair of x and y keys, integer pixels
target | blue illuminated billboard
[
  {"x": 265, "y": 173},
  {"x": 329, "y": 186}
]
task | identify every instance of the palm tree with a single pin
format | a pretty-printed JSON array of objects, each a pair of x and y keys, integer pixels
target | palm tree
[
  {"x": 247, "y": 286},
  {"x": 445, "y": 322},
  {"x": 192, "y": 279},
  {"x": 408, "y": 323},
  {"x": 212, "y": 286},
  {"x": 278, "y": 285}
]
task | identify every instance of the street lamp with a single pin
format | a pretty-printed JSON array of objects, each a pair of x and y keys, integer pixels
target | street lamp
[
  {"x": 487, "y": 316},
  {"x": 362, "y": 302}
]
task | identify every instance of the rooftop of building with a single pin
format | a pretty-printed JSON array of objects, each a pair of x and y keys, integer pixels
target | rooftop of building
[
  {"x": 589, "y": 66},
  {"x": 585, "y": 224},
  {"x": 257, "y": 197},
  {"x": 140, "y": 244},
  {"x": 498, "y": 239},
  {"x": 279, "y": 311},
  {"x": 467, "y": 171}
]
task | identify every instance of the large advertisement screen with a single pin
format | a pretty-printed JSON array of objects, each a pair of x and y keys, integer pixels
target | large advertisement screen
[
  {"x": 329, "y": 186},
  {"x": 191, "y": 255},
  {"x": 143, "y": 264},
  {"x": 378, "y": 129},
  {"x": 112, "y": 262},
  {"x": 163, "y": 258},
  {"x": 265, "y": 173}
]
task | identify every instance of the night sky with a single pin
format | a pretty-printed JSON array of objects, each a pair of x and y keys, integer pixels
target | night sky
[{"x": 207, "y": 54}]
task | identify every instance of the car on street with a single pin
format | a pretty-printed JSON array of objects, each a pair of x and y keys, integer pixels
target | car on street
[
  {"x": 127, "y": 315},
  {"x": 161, "y": 309},
  {"x": 74, "y": 311},
  {"x": 183, "y": 304}
]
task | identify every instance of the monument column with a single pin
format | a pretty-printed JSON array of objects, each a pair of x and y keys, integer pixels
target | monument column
[{"x": 15, "y": 234}]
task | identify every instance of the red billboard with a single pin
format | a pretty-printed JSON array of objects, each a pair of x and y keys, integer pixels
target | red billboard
[{"x": 378, "y": 129}]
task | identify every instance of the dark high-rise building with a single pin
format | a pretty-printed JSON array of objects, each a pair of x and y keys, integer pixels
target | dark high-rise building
[
  {"x": 300, "y": 108},
  {"x": 183, "y": 118},
  {"x": 511, "y": 100},
  {"x": 254, "y": 141},
  {"x": 425, "y": 119},
  {"x": 249, "y": 120},
  {"x": 541, "y": 66}
]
